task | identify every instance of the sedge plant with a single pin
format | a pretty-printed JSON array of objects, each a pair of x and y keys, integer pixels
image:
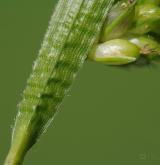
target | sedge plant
[{"x": 113, "y": 32}]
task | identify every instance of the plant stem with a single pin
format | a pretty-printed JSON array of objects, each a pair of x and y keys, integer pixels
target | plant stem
[{"x": 74, "y": 28}]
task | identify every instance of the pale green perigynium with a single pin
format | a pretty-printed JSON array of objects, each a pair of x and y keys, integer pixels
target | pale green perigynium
[
  {"x": 118, "y": 20},
  {"x": 147, "y": 44},
  {"x": 115, "y": 52},
  {"x": 146, "y": 19}
]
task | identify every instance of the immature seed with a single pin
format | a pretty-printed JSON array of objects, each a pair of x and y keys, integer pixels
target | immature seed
[
  {"x": 115, "y": 52},
  {"x": 147, "y": 18},
  {"x": 148, "y": 45},
  {"x": 118, "y": 21}
]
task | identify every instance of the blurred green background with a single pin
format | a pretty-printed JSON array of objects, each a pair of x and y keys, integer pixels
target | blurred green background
[{"x": 111, "y": 116}]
